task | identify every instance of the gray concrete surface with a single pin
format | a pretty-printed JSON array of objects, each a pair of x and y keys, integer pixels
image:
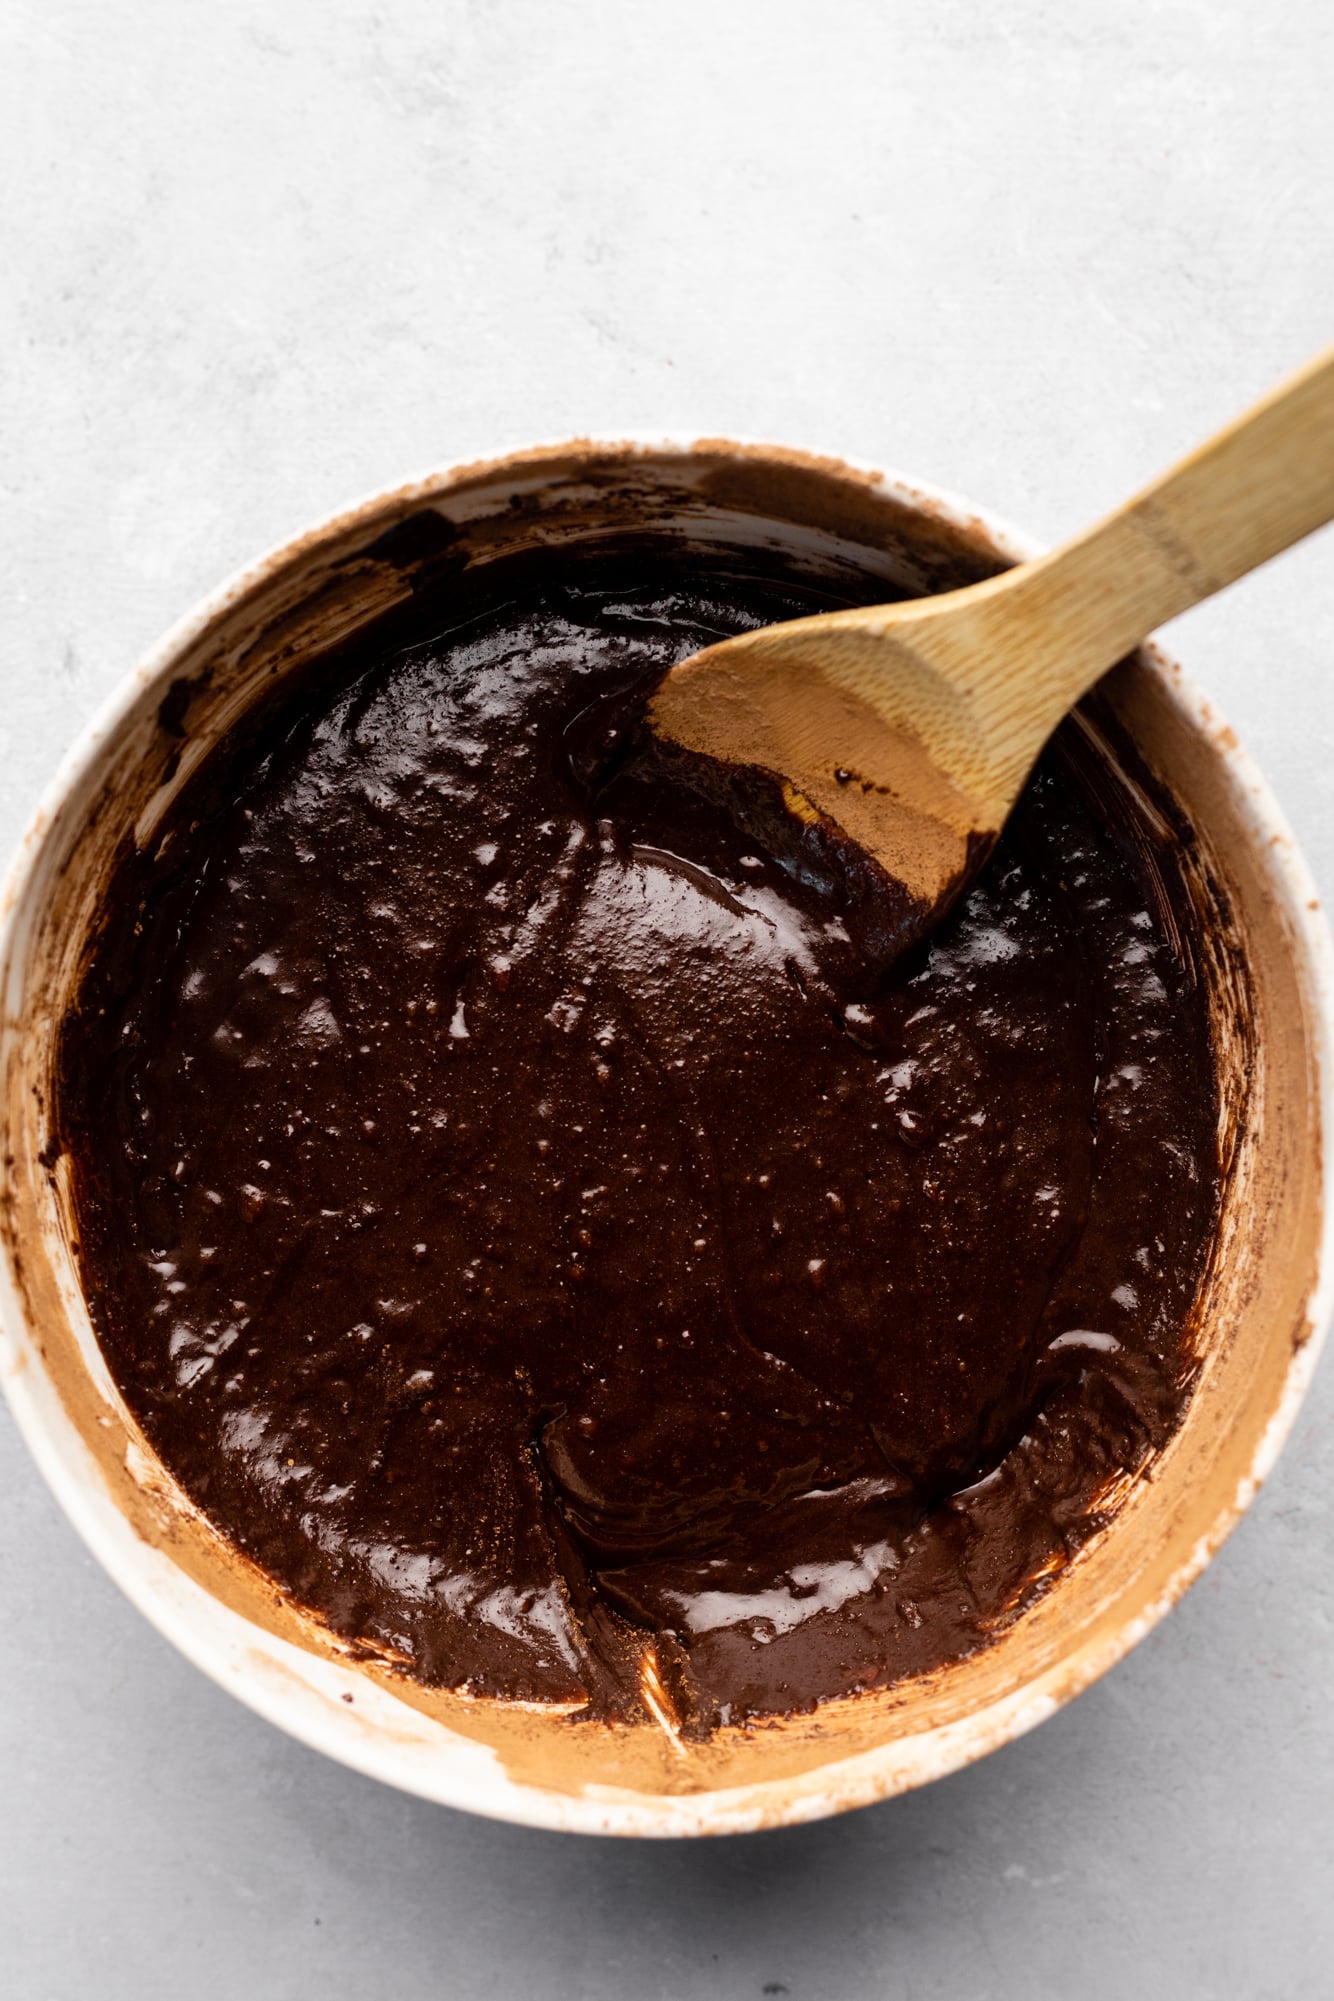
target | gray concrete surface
[{"x": 256, "y": 259}]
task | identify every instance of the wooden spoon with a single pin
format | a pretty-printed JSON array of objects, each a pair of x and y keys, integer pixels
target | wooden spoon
[{"x": 912, "y": 727}]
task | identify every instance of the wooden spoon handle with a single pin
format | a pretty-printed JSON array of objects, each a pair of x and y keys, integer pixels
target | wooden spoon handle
[{"x": 1255, "y": 488}]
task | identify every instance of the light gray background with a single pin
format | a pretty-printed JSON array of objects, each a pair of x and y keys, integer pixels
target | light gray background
[{"x": 258, "y": 259}]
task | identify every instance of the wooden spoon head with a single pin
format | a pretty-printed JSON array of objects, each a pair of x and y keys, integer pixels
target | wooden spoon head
[{"x": 833, "y": 714}]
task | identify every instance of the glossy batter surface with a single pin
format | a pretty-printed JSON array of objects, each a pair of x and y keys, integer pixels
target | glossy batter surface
[{"x": 526, "y": 1217}]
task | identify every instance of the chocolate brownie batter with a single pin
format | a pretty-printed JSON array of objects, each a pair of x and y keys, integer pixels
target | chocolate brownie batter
[{"x": 527, "y": 1214}]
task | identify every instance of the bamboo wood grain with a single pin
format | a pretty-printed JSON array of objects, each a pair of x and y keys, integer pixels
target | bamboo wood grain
[{"x": 914, "y": 726}]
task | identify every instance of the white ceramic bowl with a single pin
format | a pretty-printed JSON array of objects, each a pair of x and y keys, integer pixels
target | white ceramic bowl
[{"x": 1268, "y": 964}]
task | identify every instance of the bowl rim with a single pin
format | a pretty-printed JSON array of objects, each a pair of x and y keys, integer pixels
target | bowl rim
[{"x": 854, "y": 1781}]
